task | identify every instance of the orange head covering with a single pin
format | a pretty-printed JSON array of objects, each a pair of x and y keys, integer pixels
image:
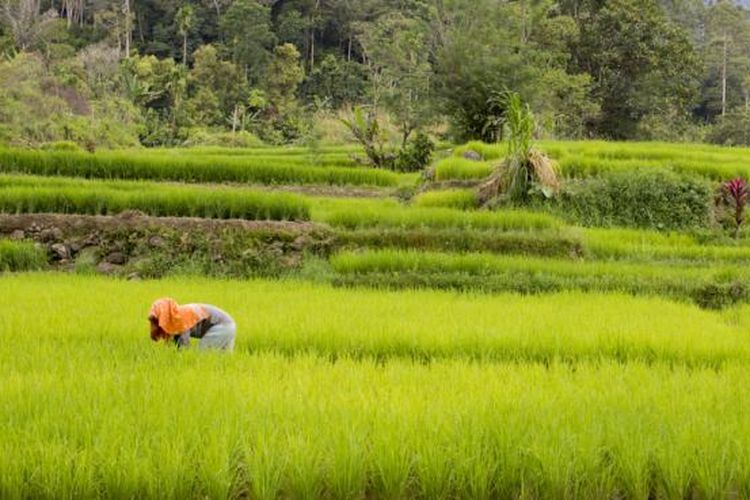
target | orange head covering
[{"x": 172, "y": 318}]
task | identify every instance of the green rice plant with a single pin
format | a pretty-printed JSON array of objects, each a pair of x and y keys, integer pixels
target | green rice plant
[
  {"x": 385, "y": 216},
  {"x": 710, "y": 286},
  {"x": 647, "y": 245},
  {"x": 453, "y": 168},
  {"x": 631, "y": 397},
  {"x": 21, "y": 256},
  {"x": 550, "y": 243},
  {"x": 462, "y": 199},
  {"x": 148, "y": 166},
  {"x": 486, "y": 151},
  {"x": 22, "y": 194},
  {"x": 418, "y": 324}
]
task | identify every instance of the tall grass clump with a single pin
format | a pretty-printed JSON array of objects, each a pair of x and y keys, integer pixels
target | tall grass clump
[
  {"x": 21, "y": 256},
  {"x": 36, "y": 195},
  {"x": 462, "y": 199},
  {"x": 147, "y": 166}
]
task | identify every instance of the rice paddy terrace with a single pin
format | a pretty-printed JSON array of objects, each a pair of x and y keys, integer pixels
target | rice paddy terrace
[{"x": 395, "y": 339}]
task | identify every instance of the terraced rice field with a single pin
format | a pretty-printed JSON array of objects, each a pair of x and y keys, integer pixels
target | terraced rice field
[{"x": 428, "y": 349}]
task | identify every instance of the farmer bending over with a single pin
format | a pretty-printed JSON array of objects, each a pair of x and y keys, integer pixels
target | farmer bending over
[{"x": 170, "y": 321}]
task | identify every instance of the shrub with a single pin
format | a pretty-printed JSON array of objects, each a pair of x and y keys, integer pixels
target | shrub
[
  {"x": 241, "y": 139},
  {"x": 415, "y": 155},
  {"x": 646, "y": 198},
  {"x": 731, "y": 204}
]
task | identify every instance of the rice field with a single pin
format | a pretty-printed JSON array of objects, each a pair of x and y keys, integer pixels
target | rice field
[
  {"x": 433, "y": 350},
  {"x": 388, "y": 394},
  {"x": 137, "y": 165},
  {"x": 590, "y": 158},
  {"x": 32, "y": 194}
]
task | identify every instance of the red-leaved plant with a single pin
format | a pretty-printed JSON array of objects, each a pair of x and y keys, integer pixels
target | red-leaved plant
[{"x": 734, "y": 195}]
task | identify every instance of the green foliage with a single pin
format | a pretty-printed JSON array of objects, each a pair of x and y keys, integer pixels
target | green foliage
[
  {"x": 732, "y": 129},
  {"x": 335, "y": 83},
  {"x": 20, "y": 256},
  {"x": 646, "y": 198},
  {"x": 366, "y": 130},
  {"x": 520, "y": 124},
  {"x": 415, "y": 155},
  {"x": 246, "y": 28},
  {"x": 221, "y": 139},
  {"x": 31, "y": 115},
  {"x": 640, "y": 62}
]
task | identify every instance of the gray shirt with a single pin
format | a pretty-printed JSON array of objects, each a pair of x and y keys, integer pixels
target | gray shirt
[{"x": 215, "y": 317}]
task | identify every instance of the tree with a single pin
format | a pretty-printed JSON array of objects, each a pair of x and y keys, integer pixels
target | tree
[
  {"x": 641, "y": 64},
  {"x": 726, "y": 54},
  {"x": 185, "y": 20},
  {"x": 27, "y": 23},
  {"x": 218, "y": 88},
  {"x": 246, "y": 30},
  {"x": 283, "y": 78},
  {"x": 397, "y": 57}
]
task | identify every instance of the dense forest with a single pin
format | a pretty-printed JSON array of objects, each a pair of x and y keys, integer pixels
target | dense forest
[{"x": 113, "y": 73}]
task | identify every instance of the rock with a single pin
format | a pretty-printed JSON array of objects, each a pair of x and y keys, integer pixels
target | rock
[
  {"x": 157, "y": 241},
  {"x": 17, "y": 235},
  {"x": 134, "y": 277},
  {"x": 130, "y": 214},
  {"x": 91, "y": 240},
  {"x": 50, "y": 234},
  {"x": 60, "y": 251},
  {"x": 107, "y": 268},
  {"x": 299, "y": 243},
  {"x": 117, "y": 258},
  {"x": 472, "y": 155}
]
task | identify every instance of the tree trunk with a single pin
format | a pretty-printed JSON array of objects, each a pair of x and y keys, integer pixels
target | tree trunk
[
  {"x": 184, "y": 49},
  {"x": 128, "y": 27},
  {"x": 724, "y": 78}
]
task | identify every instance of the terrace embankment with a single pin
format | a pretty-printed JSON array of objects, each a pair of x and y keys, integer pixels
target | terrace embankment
[{"x": 134, "y": 244}]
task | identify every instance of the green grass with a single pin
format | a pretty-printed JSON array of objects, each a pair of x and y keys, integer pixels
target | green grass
[
  {"x": 21, "y": 256},
  {"x": 189, "y": 168},
  {"x": 29, "y": 194},
  {"x": 636, "y": 398},
  {"x": 462, "y": 199},
  {"x": 453, "y": 168}
]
